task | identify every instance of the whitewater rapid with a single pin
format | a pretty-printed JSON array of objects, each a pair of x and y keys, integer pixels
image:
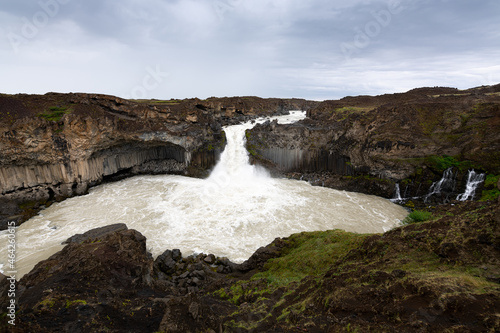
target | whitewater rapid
[{"x": 238, "y": 209}]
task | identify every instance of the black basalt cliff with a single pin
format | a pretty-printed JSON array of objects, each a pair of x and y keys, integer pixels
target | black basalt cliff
[
  {"x": 55, "y": 146},
  {"x": 370, "y": 144}
]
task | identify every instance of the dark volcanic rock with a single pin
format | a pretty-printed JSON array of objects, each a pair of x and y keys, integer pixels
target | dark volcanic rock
[
  {"x": 105, "y": 280},
  {"x": 59, "y": 145},
  {"x": 92, "y": 285},
  {"x": 370, "y": 144},
  {"x": 96, "y": 233}
]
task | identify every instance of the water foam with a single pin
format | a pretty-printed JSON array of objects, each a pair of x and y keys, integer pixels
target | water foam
[{"x": 232, "y": 213}]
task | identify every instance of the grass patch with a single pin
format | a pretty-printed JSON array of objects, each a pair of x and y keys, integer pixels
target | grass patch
[
  {"x": 443, "y": 162},
  {"x": 455, "y": 280},
  {"x": 417, "y": 216},
  {"x": 55, "y": 113},
  {"x": 352, "y": 109},
  {"x": 490, "y": 191},
  {"x": 344, "y": 112},
  {"x": 168, "y": 102},
  {"x": 308, "y": 254}
]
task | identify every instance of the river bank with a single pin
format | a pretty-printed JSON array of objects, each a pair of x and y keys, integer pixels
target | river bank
[{"x": 434, "y": 276}]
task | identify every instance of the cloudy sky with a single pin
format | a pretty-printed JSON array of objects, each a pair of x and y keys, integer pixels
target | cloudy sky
[{"x": 315, "y": 49}]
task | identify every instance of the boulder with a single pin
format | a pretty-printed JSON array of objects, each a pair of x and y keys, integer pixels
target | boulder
[{"x": 96, "y": 233}]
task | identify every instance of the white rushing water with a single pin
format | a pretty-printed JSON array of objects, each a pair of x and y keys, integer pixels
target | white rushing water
[
  {"x": 473, "y": 181},
  {"x": 232, "y": 213}
]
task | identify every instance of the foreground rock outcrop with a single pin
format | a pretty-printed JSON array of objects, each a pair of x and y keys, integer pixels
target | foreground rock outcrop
[
  {"x": 441, "y": 275},
  {"x": 59, "y": 145},
  {"x": 370, "y": 144}
]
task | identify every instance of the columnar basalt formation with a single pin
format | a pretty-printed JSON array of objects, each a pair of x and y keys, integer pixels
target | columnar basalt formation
[
  {"x": 58, "y": 145},
  {"x": 369, "y": 144}
]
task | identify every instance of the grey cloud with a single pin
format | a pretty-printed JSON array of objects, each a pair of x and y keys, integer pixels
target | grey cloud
[{"x": 317, "y": 48}]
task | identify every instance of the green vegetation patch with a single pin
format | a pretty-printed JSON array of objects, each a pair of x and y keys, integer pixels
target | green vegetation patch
[
  {"x": 168, "y": 102},
  {"x": 157, "y": 101},
  {"x": 352, "y": 109},
  {"x": 55, "y": 113},
  {"x": 490, "y": 191},
  {"x": 444, "y": 162},
  {"x": 438, "y": 163},
  {"x": 308, "y": 254},
  {"x": 417, "y": 216},
  {"x": 344, "y": 112},
  {"x": 78, "y": 301}
]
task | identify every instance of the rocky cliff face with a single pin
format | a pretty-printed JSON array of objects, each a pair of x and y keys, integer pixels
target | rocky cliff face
[
  {"x": 58, "y": 145},
  {"x": 369, "y": 144}
]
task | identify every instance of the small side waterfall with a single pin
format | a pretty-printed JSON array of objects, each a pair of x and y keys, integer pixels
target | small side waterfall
[
  {"x": 444, "y": 189},
  {"x": 445, "y": 184},
  {"x": 473, "y": 181},
  {"x": 397, "y": 194}
]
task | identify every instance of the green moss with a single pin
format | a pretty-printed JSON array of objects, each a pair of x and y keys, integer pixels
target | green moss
[
  {"x": 221, "y": 293},
  {"x": 442, "y": 163},
  {"x": 406, "y": 182},
  {"x": 490, "y": 195},
  {"x": 490, "y": 191},
  {"x": 350, "y": 329},
  {"x": 55, "y": 113},
  {"x": 48, "y": 303},
  {"x": 308, "y": 254},
  {"x": 410, "y": 204},
  {"x": 77, "y": 301}
]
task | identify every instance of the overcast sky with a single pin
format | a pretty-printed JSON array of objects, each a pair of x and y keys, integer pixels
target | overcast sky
[{"x": 315, "y": 49}]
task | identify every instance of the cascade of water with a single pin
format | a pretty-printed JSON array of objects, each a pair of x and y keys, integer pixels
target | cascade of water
[
  {"x": 234, "y": 166},
  {"x": 234, "y": 171},
  {"x": 473, "y": 181},
  {"x": 397, "y": 194},
  {"x": 232, "y": 213},
  {"x": 447, "y": 182}
]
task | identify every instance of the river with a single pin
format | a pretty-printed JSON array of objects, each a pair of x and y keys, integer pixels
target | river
[{"x": 236, "y": 210}]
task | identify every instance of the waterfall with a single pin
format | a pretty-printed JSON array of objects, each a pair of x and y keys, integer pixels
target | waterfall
[
  {"x": 234, "y": 171},
  {"x": 473, "y": 181},
  {"x": 397, "y": 194},
  {"x": 236, "y": 210},
  {"x": 445, "y": 184},
  {"x": 234, "y": 166}
]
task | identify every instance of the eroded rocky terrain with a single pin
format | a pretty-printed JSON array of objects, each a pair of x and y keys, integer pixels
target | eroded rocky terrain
[
  {"x": 55, "y": 146},
  {"x": 439, "y": 276},
  {"x": 370, "y": 144}
]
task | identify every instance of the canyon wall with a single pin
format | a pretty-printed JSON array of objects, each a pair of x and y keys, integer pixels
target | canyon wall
[
  {"x": 59, "y": 145},
  {"x": 370, "y": 144},
  {"x": 55, "y": 146}
]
